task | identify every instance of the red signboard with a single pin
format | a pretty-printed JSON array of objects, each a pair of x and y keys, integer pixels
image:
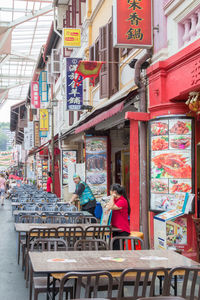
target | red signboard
[
  {"x": 35, "y": 97},
  {"x": 132, "y": 23}
]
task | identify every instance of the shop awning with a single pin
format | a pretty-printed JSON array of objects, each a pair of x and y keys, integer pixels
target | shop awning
[{"x": 103, "y": 116}]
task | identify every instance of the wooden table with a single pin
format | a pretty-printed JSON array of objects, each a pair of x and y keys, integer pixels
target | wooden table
[{"x": 92, "y": 261}]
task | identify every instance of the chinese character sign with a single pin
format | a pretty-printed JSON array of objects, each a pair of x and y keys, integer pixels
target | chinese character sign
[
  {"x": 31, "y": 134},
  {"x": 44, "y": 120},
  {"x": 35, "y": 97},
  {"x": 132, "y": 23},
  {"x": 43, "y": 87},
  {"x": 74, "y": 93},
  {"x": 71, "y": 37}
]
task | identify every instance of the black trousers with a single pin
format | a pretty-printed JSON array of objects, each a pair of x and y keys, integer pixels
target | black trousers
[
  {"x": 90, "y": 210},
  {"x": 116, "y": 245}
]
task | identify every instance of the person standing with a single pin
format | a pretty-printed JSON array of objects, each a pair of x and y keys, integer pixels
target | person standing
[
  {"x": 49, "y": 183},
  {"x": 84, "y": 193},
  {"x": 2, "y": 188},
  {"x": 120, "y": 207}
]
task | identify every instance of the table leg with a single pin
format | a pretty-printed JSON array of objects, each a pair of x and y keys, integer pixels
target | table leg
[
  {"x": 48, "y": 286},
  {"x": 18, "y": 248},
  {"x": 175, "y": 285},
  {"x": 31, "y": 282}
]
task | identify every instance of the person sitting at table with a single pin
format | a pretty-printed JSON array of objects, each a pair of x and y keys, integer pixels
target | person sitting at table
[
  {"x": 119, "y": 204},
  {"x": 85, "y": 195}
]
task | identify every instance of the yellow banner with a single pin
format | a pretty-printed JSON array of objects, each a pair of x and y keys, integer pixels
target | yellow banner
[
  {"x": 71, "y": 37},
  {"x": 44, "y": 120}
]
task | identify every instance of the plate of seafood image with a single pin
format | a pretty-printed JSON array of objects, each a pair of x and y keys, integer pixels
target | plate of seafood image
[
  {"x": 171, "y": 165},
  {"x": 159, "y": 186},
  {"x": 180, "y": 142},
  {"x": 159, "y": 143},
  {"x": 159, "y": 128},
  {"x": 180, "y": 127}
]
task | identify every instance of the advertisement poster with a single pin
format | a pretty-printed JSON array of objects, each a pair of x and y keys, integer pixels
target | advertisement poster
[
  {"x": 67, "y": 157},
  {"x": 71, "y": 37},
  {"x": 44, "y": 120},
  {"x": 44, "y": 174},
  {"x": 171, "y": 160},
  {"x": 96, "y": 164}
]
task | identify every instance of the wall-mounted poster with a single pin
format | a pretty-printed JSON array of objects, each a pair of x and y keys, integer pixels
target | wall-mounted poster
[
  {"x": 68, "y": 156},
  {"x": 96, "y": 164},
  {"x": 171, "y": 160}
]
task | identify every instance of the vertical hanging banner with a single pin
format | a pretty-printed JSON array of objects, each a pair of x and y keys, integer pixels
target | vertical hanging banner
[
  {"x": 44, "y": 120},
  {"x": 36, "y": 134},
  {"x": 71, "y": 37},
  {"x": 35, "y": 97},
  {"x": 31, "y": 134},
  {"x": 43, "y": 87},
  {"x": 26, "y": 138},
  {"x": 132, "y": 23},
  {"x": 74, "y": 94}
]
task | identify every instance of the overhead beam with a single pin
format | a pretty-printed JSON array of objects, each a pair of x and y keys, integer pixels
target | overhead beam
[
  {"x": 5, "y": 37},
  {"x": 4, "y": 60},
  {"x": 22, "y": 77},
  {"x": 26, "y": 57},
  {"x": 29, "y": 17},
  {"x": 9, "y": 9}
]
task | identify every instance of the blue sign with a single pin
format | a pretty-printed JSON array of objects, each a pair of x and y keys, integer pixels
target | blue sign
[
  {"x": 43, "y": 87},
  {"x": 43, "y": 133},
  {"x": 74, "y": 94}
]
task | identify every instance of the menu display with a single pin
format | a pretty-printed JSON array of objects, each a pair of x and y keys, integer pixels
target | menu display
[
  {"x": 171, "y": 161},
  {"x": 39, "y": 172},
  {"x": 67, "y": 157},
  {"x": 96, "y": 164}
]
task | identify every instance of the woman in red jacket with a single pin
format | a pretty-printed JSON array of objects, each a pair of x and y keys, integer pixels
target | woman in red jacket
[{"x": 120, "y": 207}]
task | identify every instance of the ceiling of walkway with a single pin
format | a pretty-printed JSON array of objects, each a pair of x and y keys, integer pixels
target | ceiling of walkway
[{"x": 24, "y": 27}]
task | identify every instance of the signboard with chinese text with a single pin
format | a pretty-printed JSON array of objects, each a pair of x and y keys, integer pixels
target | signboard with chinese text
[
  {"x": 44, "y": 120},
  {"x": 36, "y": 134},
  {"x": 71, "y": 37},
  {"x": 26, "y": 139},
  {"x": 31, "y": 134},
  {"x": 43, "y": 87},
  {"x": 35, "y": 97},
  {"x": 171, "y": 143},
  {"x": 74, "y": 94},
  {"x": 132, "y": 23},
  {"x": 43, "y": 134}
]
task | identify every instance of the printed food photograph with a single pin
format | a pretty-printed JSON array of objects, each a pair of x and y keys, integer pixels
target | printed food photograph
[
  {"x": 176, "y": 185},
  {"x": 159, "y": 143},
  {"x": 96, "y": 178},
  {"x": 96, "y": 162},
  {"x": 180, "y": 142},
  {"x": 171, "y": 165},
  {"x": 159, "y": 186},
  {"x": 96, "y": 145},
  {"x": 161, "y": 202},
  {"x": 159, "y": 128},
  {"x": 180, "y": 127}
]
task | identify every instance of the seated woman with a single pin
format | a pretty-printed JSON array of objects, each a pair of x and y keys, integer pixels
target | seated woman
[{"x": 120, "y": 207}]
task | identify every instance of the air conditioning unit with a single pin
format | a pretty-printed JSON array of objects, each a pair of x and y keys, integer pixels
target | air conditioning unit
[
  {"x": 61, "y": 15},
  {"x": 50, "y": 78},
  {"x": 55, "y": 62}
]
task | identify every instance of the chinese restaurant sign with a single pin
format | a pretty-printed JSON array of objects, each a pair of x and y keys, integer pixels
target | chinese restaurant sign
[
  {"x": 35, "y": 97},
  {"x": 171, "y": 160},
  {"x": 71, "y": 37},
  {"x": 132, "y": 23},
  {"x": 74, "y": 94},
  {"x": 43, "y": 86},
  {"x": 36, "y": 134},
  {"x": 44, "y": 120}
]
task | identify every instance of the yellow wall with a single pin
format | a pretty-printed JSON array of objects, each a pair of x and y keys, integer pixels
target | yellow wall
[{"x": 102, "y": 17}]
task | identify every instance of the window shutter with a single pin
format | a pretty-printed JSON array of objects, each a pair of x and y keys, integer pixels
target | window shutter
[
  {"x": 103, "y": 55},
  {"x": 114, "y": 65},
  {"x": 96, "y": 57},
  {"x": 71, "y": 118},
  {"x": 91, "y": 53}
]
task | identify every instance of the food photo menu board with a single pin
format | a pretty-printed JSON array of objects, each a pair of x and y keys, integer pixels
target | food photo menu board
[
  {"x": 171, "y": 160},
  {"x": 68, "y": 156},
  {"x": 96, "y": 164}
]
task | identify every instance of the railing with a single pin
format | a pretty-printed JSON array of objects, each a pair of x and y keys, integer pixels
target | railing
[{"x": 190, "y": 28}]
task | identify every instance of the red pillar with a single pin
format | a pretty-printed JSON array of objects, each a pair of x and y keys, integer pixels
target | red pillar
[{"x": 134, "y": 176}]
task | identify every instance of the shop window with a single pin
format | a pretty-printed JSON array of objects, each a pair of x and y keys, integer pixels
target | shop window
[{"x": 71, "y": 118}]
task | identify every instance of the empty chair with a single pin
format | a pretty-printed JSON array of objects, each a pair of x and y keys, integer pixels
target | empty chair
[
  {"x": 85, "y": 220},
  {"x": 188, "y": 286},
  {"x": 162, "y": 298},
  {"x": 126, "y": 243},
  {"x": 67, "y": 207},
  {"x": 89, "y": 278},
  {"x": 30, "y": 219},
  {"x": 39, "y": 284},
  {"x": 71, "y": 234},
  {"x": 90, "y": 245},
  {"x": 143, "y": 282},
  {"x": 99, "y": 232},
  {"x": 71, "y": 217},
  {"x": 55, "y": 220},
  {"x": 51, "y": 213},
  {"x": 49, "y": 207},
  {"x": 30, "y": 207}
]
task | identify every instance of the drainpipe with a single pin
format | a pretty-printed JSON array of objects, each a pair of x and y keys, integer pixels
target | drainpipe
[{"x": 143, "y": 147}]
